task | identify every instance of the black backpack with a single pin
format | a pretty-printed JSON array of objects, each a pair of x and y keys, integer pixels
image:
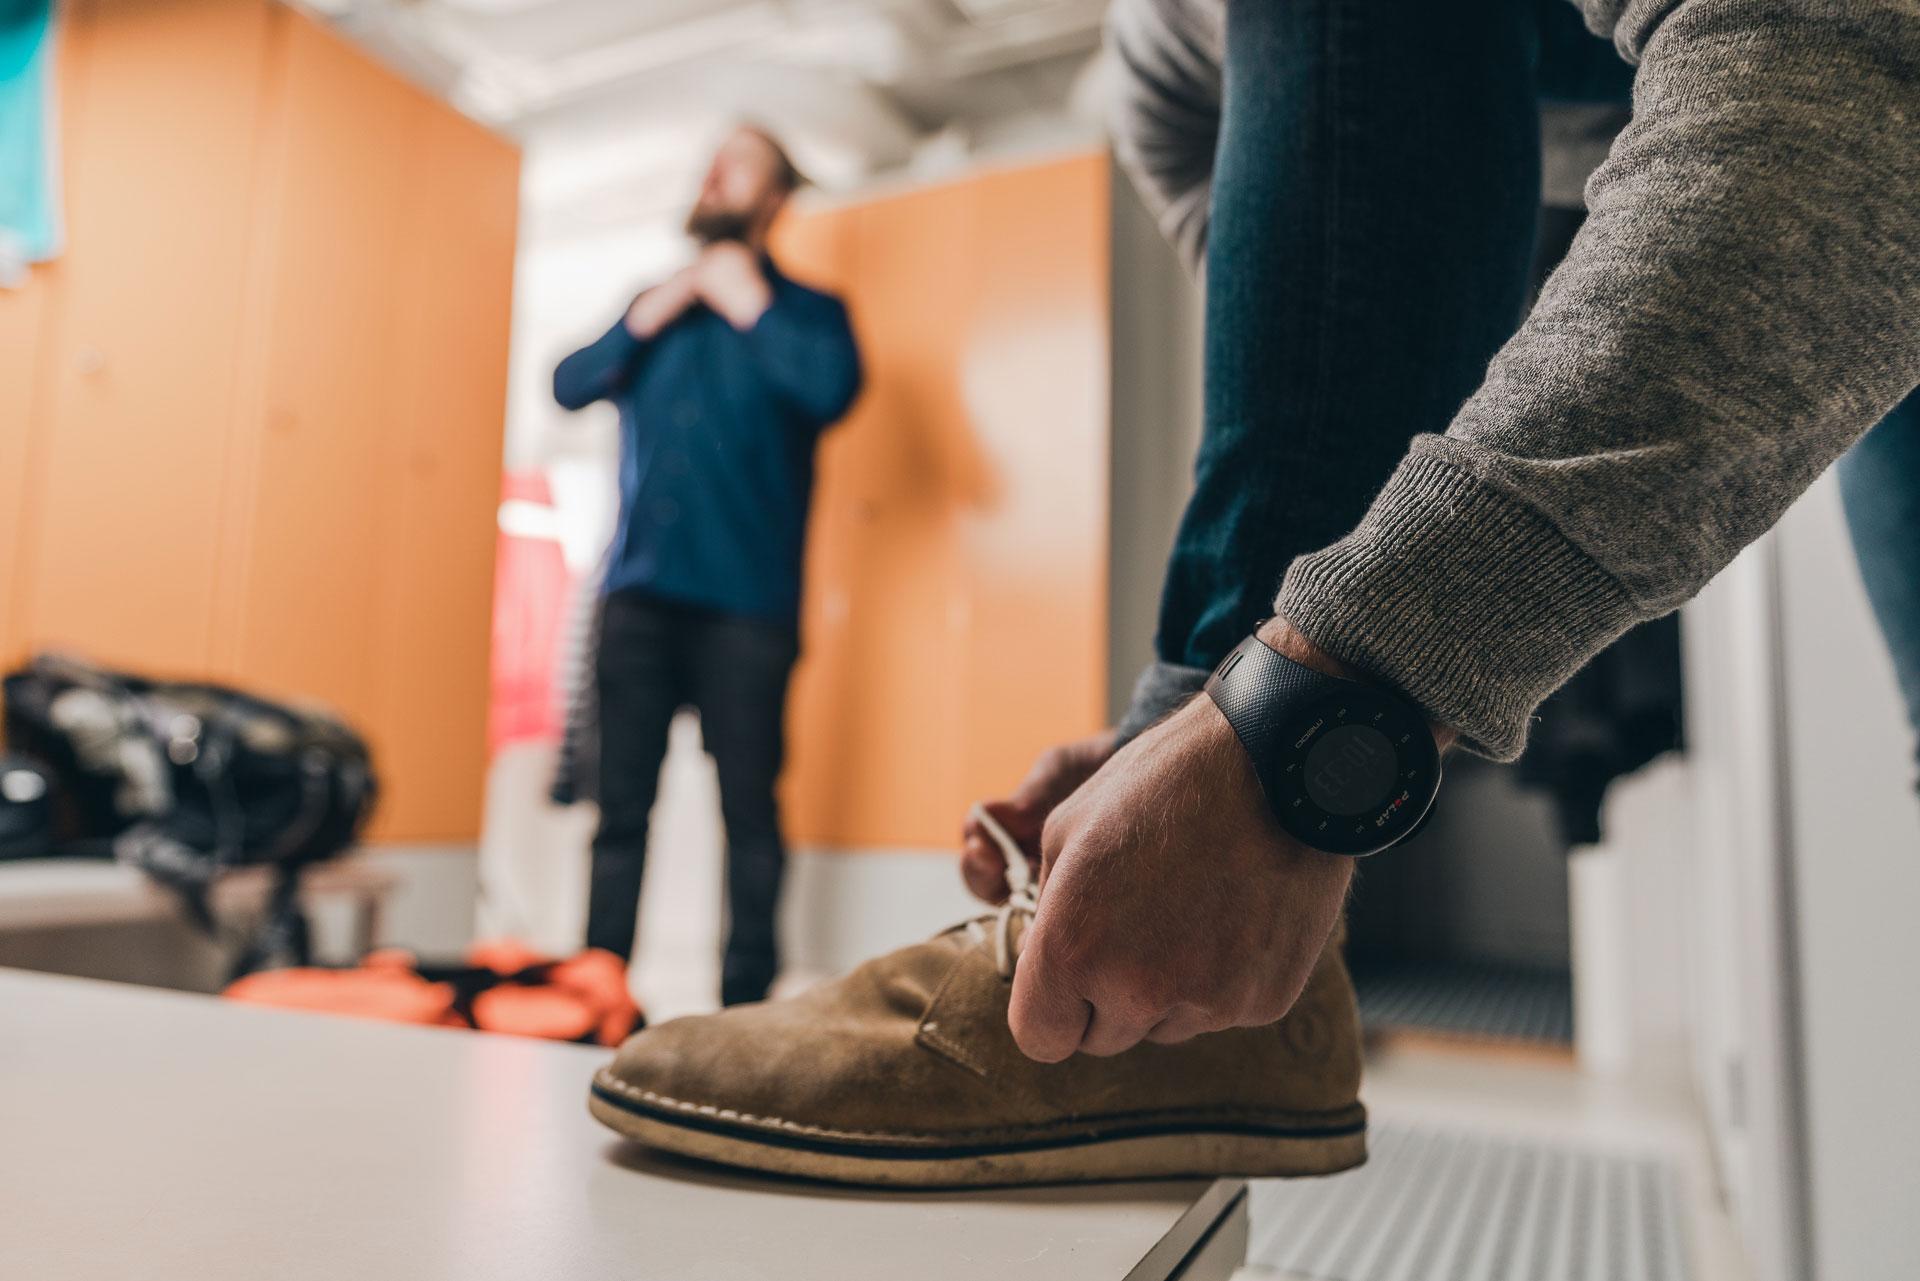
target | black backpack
[
  {"x": 187, "y": 780},
  {"x": 26, "y": 808}
]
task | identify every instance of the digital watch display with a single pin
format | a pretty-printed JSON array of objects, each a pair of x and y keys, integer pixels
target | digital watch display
[{"x": 1347, "y": 768}]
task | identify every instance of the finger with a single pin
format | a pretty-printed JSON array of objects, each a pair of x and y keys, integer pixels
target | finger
[
  {"x": 1018, "y": 820},
  {"x": 985, "y": 884},
  {"x": 1110, "y": 1033},
  {"x": 1048, "y": 1018},
  {"x": 1182, "y": 1025},
  {"x": 984, "y": 872}
]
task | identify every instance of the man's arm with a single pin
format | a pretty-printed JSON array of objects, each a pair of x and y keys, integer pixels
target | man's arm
[
  {"x": 1743, "y": 302},
  {"x": 807, "y": 353},
  {"x": 811, "y": 359},
  {"x": 603, "y": 366}
]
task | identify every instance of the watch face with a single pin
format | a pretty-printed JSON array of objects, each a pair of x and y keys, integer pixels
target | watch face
[
  {"x": 1357, "y": 772},
  {"x": 1350, "y": 770},
  {"x": 1347, "y": 767}
]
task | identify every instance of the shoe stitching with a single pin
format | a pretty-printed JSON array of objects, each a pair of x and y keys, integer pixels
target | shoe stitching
[
  {"x": 951, "y": 1049},
  {"x": 947, "y": 1136},
  {"x": 929, "y": 1034}
]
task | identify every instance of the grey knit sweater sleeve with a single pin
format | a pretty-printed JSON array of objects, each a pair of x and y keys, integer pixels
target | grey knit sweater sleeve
[{"x": 1742, "y": 303}]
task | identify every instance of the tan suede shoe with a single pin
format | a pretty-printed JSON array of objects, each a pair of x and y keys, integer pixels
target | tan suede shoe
[{"x": 904, "y": 1073}]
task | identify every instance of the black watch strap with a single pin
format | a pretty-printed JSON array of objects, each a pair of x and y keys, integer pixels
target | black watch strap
[
  {"x": 1249, "y": 683},
  {"x": 1347, "y": 767}
]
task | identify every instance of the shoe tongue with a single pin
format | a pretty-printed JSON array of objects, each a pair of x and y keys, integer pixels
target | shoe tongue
[{"x": 962, "y": 935}]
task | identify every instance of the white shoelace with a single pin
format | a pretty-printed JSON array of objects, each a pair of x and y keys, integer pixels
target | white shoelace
[{"x": 1021, "y": 891}]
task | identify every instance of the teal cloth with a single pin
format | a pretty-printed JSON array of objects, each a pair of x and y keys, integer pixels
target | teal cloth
[{"x": 29, "y": 219}]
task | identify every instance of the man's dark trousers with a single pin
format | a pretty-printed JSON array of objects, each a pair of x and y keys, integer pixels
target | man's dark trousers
[{"x": 656, "y": 657}]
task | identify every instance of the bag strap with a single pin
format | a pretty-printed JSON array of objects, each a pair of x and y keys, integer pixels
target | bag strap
[{"x": 283, "y": 931}]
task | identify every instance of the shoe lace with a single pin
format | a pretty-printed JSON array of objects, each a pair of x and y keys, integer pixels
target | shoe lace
[{"x": 1021, "y": 893}]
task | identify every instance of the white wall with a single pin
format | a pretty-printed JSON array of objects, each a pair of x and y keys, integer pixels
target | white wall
[
  {"x": 1803, "y": 881},
  {"x": 1157, "y": 412},
  {"x": 1744, "y": 1043},
  {"x": 1854, "y": 826}
]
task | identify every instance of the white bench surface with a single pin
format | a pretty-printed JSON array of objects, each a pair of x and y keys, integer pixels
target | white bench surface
[
  {"x": 148, "y": 1134},
  {"x": 42, "y": 892}
]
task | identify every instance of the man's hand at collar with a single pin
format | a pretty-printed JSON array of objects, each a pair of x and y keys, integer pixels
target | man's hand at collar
[
  {"x": 663, "y": 304},
  {"x": 1171, "y": 902},
  {"x": 730, "y": 281}
]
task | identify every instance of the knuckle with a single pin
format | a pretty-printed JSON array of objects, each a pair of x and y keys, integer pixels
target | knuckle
[
  {"x": 1271, "y": 1007},
  {"x": 1137, "y": 992},
  {"x": 1068, "y": 957},
  {"x": 1268, "y": 1014},
  {"x": 1036, "y": 1036},
  {"x": 1053, "y": 834},
  {"x": 1049, "y": 952},
  {"x": 1226, "y": 1006}
]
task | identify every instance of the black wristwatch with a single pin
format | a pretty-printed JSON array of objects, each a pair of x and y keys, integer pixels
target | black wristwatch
[{"x": 1347, "y": 768}]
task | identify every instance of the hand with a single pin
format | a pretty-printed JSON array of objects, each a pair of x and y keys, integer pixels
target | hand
[
  {"x": 661, "y": 305},
  {"x": 1053, "y": 778},
  {"x": 1171, "y": 903},
  {"x": 729, "y": 280}
]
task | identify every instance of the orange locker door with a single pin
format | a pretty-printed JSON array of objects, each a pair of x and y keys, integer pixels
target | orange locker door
[
  {"x": 955, "y": 615},
  {"x": 454, "y": 289},
  {"x": 21, "y": 329},
  {"x": 160, "y": 142},
  {"x": 320, "y": 411},
  {"x": 1034, "y": 376},
  {"x": 374, "y": 465},
  {"x": 871, "y": 764}
]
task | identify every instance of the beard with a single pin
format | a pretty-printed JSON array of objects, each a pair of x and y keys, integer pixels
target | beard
[{"x": 710, "y": 224}]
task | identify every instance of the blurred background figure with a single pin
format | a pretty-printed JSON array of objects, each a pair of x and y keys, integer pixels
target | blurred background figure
[
  {"x": 725, "y": 375},
  {"x": 1880, "y": 488}
]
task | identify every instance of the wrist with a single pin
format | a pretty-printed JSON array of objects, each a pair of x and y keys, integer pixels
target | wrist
[
  {"x": 1285, "y": 639},
  {"x": 1219, "y": 753}
]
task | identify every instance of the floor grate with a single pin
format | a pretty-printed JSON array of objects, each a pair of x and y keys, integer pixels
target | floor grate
[
  {"x": 1468, "y": 998},
  {"x": 1438, "y": 1205}
]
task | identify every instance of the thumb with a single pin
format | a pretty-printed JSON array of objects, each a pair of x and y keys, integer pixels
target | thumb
[{"x": 1048, "y": 1017}]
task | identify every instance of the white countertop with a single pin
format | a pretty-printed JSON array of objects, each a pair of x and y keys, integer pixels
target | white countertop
[{"x": 147, "y": 1134}]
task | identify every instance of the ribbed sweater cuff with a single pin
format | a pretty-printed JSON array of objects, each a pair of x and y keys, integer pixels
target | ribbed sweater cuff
[{"x": 1460, "y": 596}]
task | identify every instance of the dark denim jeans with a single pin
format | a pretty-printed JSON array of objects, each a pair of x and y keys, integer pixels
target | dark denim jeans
[
  {"x": 1374, "y": 205},
  {"x": 655, "y": 658},
  {"x": 1880, "y": 486}
]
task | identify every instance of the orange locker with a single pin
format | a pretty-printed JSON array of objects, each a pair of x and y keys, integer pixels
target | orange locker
[
  {"x": 252, "y": 418},
  {"x": 955, "y": 621}
]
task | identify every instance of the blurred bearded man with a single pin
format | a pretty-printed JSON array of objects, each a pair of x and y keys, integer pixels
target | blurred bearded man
[{"x": 725, "y": 375}]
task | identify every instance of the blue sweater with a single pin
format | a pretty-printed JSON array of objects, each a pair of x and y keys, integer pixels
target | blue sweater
[{"x": 717, "y": 435}]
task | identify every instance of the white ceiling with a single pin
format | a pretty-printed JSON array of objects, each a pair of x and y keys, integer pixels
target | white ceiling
[{"x": 617, "y": 101}]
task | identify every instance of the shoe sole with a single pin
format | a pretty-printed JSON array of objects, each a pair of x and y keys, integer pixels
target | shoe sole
[{"x": 1301, "y": 1147}]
